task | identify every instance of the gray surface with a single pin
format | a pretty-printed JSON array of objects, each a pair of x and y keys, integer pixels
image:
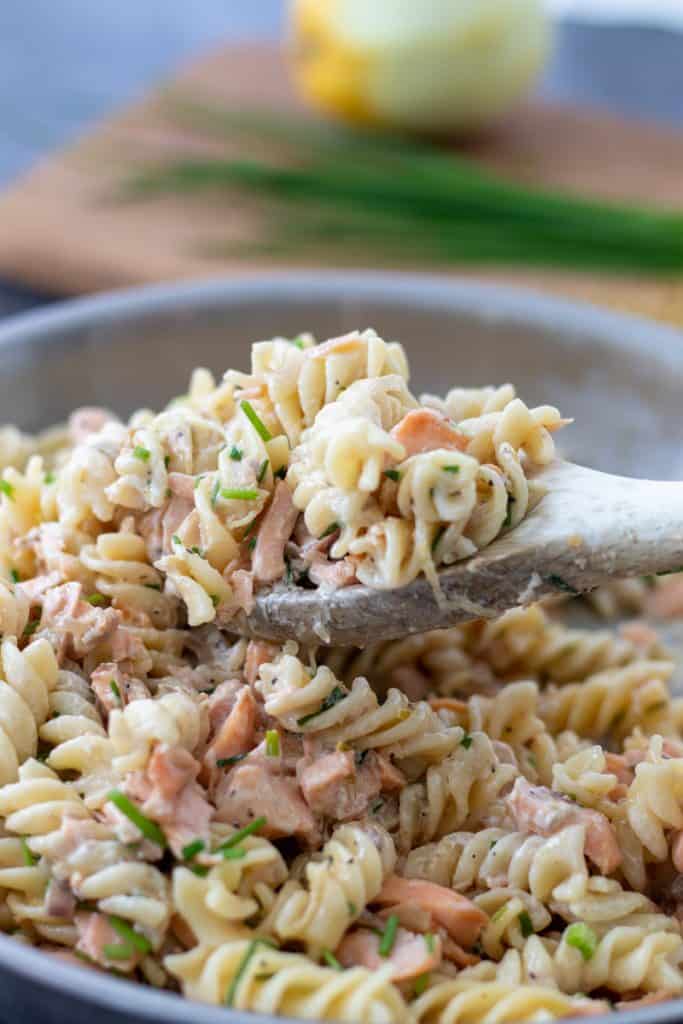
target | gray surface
[
  {"x": 90, "y": 351},
  {"x": 66, "y": 63}
]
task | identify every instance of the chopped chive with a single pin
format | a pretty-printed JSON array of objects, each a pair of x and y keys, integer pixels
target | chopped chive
[
  {"x": 298, "y": 341},
  {"x": 252, "y": 544},
  {"x": 118, "y": 952},
  {"x": 233, "y": 853},
  {"x": 525, "y": 924},
  {"x": 583, "y": 938},
  {"x": 215, "y": 600},
  {"x": 377, "y": 806},
  {"x": 332, "y": 528},
  {"x": 133, "y": 938},
  {"x": 429, "y": 942},
  {"x": 153, "y": 586},
  {"x": 263, "y": 469},
  {"x": 49, "y": 478},
  {"x": 499, "y": 913},
  {"x": 351, "y": 907},
  {"x": 16, "y": 578},
  {"x": 332, "y": 698},
  {"x": 96, "y": 599},
  {"x": 466, "y": 741},
  {"x": 242, "y": 967},
  {"x": 437, "y": 537},
  {"x": 393, "y": 474},
  {"x": 28, "y": 858},
  {"x": 273, "y": 743},
  {"x": 280, "y": 473},
  {"x": 199, "y": 869},
  {"x": 196, "y": 551},
  {"x": 143, "y": 454},
  {"x": 242, "y": 833},
  {"x": 176, "y": 539},
  {"x": 215, "y": 492},
  {"x": 228, "y": 762},
  {"x": 388, "y": 936},
  {"x": 7, "y": 489},
  {"x": 331, "y": 960},
  {"x": 149, "y": 829},
  {"x": 31, "y": 627},
  {"x": 560, "y": 584},
  {"x": 190, "y": 851},
  {"x": 115, "y": 690},
  {"x": 236, "y": 453},
  {"x": 167, "y": 461},
  {"x": 256, "y": 422},
  {"x": 421, "y": 984},
  {"x": 451, "y": 469},
  {"x": 238, "y": 494}
]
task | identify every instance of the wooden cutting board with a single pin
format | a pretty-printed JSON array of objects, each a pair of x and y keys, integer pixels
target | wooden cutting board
[{"x": 62, "y": 229}]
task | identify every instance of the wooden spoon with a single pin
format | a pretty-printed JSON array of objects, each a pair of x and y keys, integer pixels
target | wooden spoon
[{"x": 588, "y": 528}]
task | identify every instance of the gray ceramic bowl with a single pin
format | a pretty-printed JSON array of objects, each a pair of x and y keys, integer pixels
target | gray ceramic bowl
[{"x": 620, "y": 377}]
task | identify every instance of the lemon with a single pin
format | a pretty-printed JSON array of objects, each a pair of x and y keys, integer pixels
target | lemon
[{"x": 429, "y": 65}]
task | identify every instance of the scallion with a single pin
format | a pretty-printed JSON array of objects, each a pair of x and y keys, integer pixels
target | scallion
[
  {"x": 7, "y": 489},
  {"x": 133, "y": 938},
  {"x": 143, "y": 454},
  {"x": 580, "y": 936},
  {"x": 242, "y": 967},
  {"x": 149, "y": 829},
  {"x": 256, "y": 422},
  {"x": 263, "y": 469},
  {"x": 190, "y": 851},
  {"x": 331, "y": 960},
  {"x": 236, "y": 454},
  {"x": 273, "y": 743},
  {"x": 388, "y": 936},
  {"x": 332, "y": 698},
  {"x": 238, "y": 494},
  {"x": 28, "y": 858},
  {"x": 242, "y": 833}
]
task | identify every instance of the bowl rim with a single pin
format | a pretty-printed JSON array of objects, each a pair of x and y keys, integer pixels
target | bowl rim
[{"x": 484, "y": 300}]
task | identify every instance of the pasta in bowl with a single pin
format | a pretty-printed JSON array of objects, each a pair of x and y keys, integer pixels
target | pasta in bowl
[{"x": 459, "y": 826}]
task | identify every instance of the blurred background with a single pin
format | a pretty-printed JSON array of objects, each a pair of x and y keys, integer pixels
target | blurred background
[{"x": 67, "y": 64}]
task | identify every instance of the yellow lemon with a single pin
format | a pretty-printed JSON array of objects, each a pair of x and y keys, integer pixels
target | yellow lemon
[{"x": 430, "y": 65}]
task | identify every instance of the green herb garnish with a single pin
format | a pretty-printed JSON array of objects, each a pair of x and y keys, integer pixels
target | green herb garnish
[
  {"x": 583, "y": 938},
  {"x": 133, "y": 938},
  {"x": 28, "y": 858},
  {"x": 466, "y": 741},
  {"x": 143, "y": 454},
  {"x": 149, "y": 829},
  {"x": 234, "y": 853},
  {"x": 7, "y": 489},
  {"x": 236, "y": 454},
  {"x": 215, "y": 491},
  {"x": 176, "y": 539},
  {"x": 420, "y": 984},
  {"x": 263, "y": 469},
  {"x": 31, "y": 627},
  {"x": 49, "y": 478},
  {"x": 238, "y": 494},
  {"x": 190, "y": 851},
  {"x": 388, "y": 936},
  {"x": 242, "y": 833},
  {"x": 525, "y": 924},
  {"x": 332, "y": 698},
  {"x": 429, "y": 942},
  {"x": 560, "y": 584},
  {"x": 331, "y": 960},
  {"x": 273, "y": 743},
  {"x": 393, "y": 474},
  {"x": 16, "y": 578},
  {"x": 332, "y": 528},
  {"x": 280, "y": 473},
  {"x": 242, "y": 967},
  {"x": 437, "y": 537},
  {"x": 228, "y": 762},
  {"x": 255, "y": 420},
  {"x": 118, "y": 952},
  {"x": 451, "y": 469},
  {"x": 115, "y": 690},
  {"x": 96, "y": 599}
]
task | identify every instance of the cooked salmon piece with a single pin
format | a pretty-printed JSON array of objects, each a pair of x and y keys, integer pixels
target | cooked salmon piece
[
  {"x": 539, "y": 810},
  {"x": 276, "y": 528},
  {"x": 459, "y": 916},
  {"x": 411, "y": 955},
  {"x": 182, "y": 484},
  {"x": 332, "y": 575},
  {"x": 424, "y": 430},
  {"x": 251, "y": 790},
  {"x": 236, "y": 734},
  {"x": 172, "y": 797},
  {"x": 81, "y": 626},
  {"x": 258, "y": 653},
  {"x": 322, "y": 780}
]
